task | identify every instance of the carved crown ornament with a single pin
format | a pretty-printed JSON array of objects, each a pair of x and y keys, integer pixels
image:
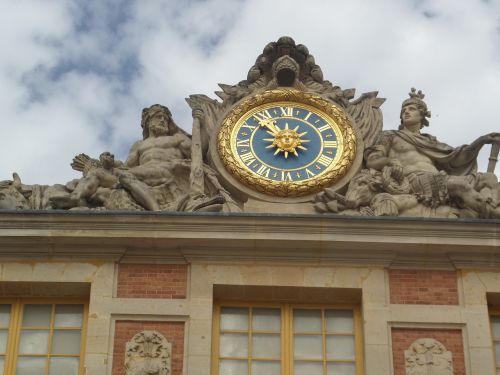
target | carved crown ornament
[
  {"x": 148, "y": 352},
  {"x": 428, "y": 356},
  {"x": 283, "y": 136}
]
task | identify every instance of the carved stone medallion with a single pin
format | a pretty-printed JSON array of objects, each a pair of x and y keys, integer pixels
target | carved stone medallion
[
  {"x": 148, "y": 353},
  {"x": 427, "y": 356}
]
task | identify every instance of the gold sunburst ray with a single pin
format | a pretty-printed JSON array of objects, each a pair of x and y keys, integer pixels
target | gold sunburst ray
[
  {"x": 302, "y": 148},
  {"x": 286, "y": 154}
]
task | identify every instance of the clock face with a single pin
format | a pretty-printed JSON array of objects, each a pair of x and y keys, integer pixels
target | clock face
[
  {"x": 287, "y": 147},
  {"x": 286, "y": 142}
]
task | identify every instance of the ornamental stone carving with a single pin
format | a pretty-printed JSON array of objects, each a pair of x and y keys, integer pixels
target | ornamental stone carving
[
  {"x": 148, "y": 353},
  {"x": 410, "y": 173},
  {"x": 427, "y": 356},
  {"x": 403, "y": 172}
]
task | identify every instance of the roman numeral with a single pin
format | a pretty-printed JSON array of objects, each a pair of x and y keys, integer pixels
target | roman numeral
[
  {"x": 243, "y": 143},
  {"x": 324, "y": 160},
  {"x": 247, "y": 158},
  {"x": 251, "y": 127},
  {"x": 286, "y": 111},
  {"x": 331, "y": 144},
  {"x": 286, "y": 176},
  {"x": 307, "y": 117},
  {"x": 309, "y": 173},
  {"x": 324, "y": 128},
  {"x": 261, "y": 116},
  {"x": 264, "y": 171}
]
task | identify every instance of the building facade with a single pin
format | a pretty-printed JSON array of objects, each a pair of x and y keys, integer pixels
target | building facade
[
  {"x": 365, "y": 290},
  {"x": 289, "y": 234}
]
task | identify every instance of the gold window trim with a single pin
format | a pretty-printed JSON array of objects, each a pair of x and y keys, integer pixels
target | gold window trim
[
  {"x": 496, "y": 361},
  {"x": 14, "y": 329},
  {"x": 287, "y": 333}
]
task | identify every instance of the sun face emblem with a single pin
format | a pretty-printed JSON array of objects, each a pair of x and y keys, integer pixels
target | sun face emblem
[{"x": 285, "y": 140}]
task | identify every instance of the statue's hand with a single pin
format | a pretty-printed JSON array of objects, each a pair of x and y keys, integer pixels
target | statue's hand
[
  {"x": 489, "y": 139},
  {"x": 396, "y": 169},
  {"x": 197, "y": 113}
]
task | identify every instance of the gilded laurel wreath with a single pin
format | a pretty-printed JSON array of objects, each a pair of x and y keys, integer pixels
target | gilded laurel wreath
[{"x": 287, "y": 188}]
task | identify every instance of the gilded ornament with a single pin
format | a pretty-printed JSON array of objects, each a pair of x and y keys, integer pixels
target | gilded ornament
[{"x": 287, "y": 143}]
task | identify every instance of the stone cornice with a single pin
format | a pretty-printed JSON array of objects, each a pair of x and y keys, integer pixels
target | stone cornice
[{"x": 157, "y": 237}]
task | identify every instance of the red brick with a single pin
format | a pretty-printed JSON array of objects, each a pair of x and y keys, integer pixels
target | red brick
[
  {"x": 402, "y": 338},
  {"x": 126, "y": 329},
  {"x": 423, "y": 287},
  {"x": 152, "y": 281}
]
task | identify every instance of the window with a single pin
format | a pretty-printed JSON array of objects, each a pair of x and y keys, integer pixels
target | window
[
  {"x": 42, "y": 337},
  {"x": 495, "y": 333},
  {"x": 286, "y": 340}
]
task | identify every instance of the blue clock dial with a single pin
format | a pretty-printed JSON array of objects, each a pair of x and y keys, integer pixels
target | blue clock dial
[{"x": 287, "y": 142}]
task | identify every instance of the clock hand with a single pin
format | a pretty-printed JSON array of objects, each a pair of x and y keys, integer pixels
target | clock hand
[{"x": 270, "y": 124}]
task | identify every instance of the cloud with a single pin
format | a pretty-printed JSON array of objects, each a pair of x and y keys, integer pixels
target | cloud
[{"x": 74, "y": 76}]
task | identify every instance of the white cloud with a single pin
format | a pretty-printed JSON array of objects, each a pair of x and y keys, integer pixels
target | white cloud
[{"x": 75, "y": 76}]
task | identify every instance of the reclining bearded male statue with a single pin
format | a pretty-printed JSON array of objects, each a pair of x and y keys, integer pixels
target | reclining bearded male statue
[{"x": 156, "y": 176}]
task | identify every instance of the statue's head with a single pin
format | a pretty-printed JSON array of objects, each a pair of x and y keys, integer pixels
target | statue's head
[
  {"x": 415, "y": 102},
  {"x": 107, "y": 160},
  {"x": 363, "y": 187},
  {"x": 157, "y": 121}
]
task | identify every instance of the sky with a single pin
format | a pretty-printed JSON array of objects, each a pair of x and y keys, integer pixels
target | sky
[{"x": 75, "y": 75}]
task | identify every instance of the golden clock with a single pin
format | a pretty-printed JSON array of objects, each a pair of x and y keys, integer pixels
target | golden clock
[{"x": 287, "y": 143}]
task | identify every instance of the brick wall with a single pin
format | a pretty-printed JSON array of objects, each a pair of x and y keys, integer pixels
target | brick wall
[
  {"x": 402, "y": 338},
  {"x": 126, "y": 329},
  {"x": 152, "y": 280},
  {"x": 423, "y": 287}
]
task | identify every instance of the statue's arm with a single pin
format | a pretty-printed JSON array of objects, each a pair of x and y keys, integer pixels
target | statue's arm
[
  {"x": 185, "y": 146},
  {"x": 133, "y": 156},
  {"x": 468, "y": 153},
  {"x": 118, "y": 164},
  {"x": 376, "y": 156}
]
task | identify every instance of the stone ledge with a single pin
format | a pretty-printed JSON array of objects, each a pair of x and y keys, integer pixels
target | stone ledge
[{"x": 180, "y": 237}]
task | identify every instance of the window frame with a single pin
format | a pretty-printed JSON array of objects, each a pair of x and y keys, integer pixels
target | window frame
[
  {"x": 15, "y": 327},
  {"x": 496, "y": 361},
  {"x": 287, "y": 332}
]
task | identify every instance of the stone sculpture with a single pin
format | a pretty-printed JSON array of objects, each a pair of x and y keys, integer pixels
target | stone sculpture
[
  {"x": 400, "y": 172},
  {"x": 11, "y": 194},
  {"x": 427, "y": 356},
  {"x": 413, "y": 174},
  {"x": 100, "y": 179},
  {"x": 148, "y": 353},
  {"x": 286, "y": 64},
  {"x": 156, "y": 176},
  {"x": 158, "y": 173}
]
